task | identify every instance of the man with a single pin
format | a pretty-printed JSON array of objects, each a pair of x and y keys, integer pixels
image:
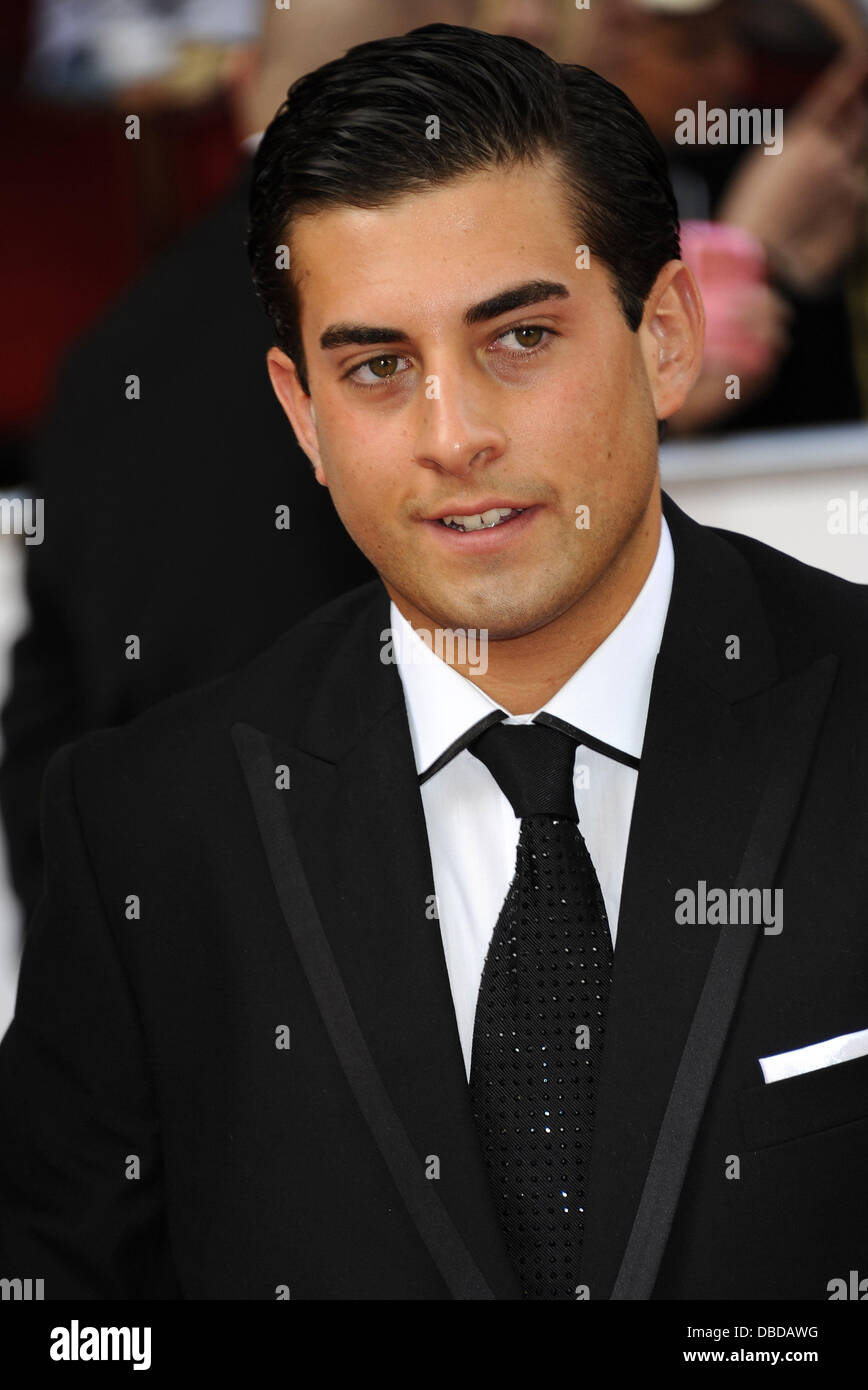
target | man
[{"x": 320, "y": 1001}]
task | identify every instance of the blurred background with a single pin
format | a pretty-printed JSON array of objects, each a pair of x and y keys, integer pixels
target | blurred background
[{"x": 135, "y": 409}]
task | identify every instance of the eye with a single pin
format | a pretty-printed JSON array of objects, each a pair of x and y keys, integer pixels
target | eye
[
  {"x": 521, "y": 332},
  {"x": 382, "y": 368},
  {"x": 531, "y": 337}
]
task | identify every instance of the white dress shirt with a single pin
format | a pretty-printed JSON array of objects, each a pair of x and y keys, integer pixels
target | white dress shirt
[{"x": 472, "y": 829}]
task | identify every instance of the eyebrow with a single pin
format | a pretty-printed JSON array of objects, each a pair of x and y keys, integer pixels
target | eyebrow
[{"x": 515, "y": 297}]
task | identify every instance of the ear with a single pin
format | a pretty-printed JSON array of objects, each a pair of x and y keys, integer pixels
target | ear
[
  {"x": 297, "y": 406},
  {"x": 672, "y": 334}
]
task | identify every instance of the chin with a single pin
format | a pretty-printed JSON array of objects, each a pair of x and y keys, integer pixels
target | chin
[{"x": 501, "y": 623}]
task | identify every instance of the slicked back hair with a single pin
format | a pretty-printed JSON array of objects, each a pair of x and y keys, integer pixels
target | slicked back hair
[{"x": 355, "y": 133}]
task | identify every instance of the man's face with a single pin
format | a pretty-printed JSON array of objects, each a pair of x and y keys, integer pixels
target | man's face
[{"x": 545, "y": 407}]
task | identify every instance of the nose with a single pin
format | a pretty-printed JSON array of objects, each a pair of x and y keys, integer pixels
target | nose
[{"x": 454, "y": 429}]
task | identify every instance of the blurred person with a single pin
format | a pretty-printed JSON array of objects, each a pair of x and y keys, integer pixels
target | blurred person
[
  {"x": 381, "y": 953},
  {"x": 805, "y": 208},
  {"x": 188, "y": 518}
]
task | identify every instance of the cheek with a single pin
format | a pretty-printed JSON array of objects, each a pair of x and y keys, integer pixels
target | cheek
[
  {"x": 626, "y": 397},
  {"x": 593, "y": 408},
  {"x": 350, "y": 486},
  {"x": 364, "y": 453},
  {"x": 359, "y": 481}
]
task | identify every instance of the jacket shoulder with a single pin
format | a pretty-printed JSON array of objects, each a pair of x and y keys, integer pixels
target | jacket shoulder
[
  {"x": 805, "y": 607},
  {"x": 273, "y": 689}
]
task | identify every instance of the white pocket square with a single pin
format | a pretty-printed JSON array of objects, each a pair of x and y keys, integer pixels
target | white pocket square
[{"x": 821, "y": 1054}]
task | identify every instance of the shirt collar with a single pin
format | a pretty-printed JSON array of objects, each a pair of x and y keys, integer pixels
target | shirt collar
[{"x": 607, "y": 696}]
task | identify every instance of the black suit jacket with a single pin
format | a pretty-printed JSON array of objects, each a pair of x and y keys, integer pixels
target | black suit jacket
[
  {"x": 159, "y": 515},
  {"x": 146, "y": 1039}
]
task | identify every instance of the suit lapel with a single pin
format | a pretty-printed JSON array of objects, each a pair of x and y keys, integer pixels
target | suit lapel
[
  {"x": 354, "y": 815},
  {"x": 706, "y": 762},
  {"x": 799, "y": 706}
]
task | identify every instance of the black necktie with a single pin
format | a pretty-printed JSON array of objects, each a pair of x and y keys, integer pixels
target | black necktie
[{"x": 541, "y": 1014}]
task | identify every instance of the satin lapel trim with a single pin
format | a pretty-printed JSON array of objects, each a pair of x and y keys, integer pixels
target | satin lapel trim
[
  {"x": 794, "y": 728},
  {"x": 446, "y": 1246}
]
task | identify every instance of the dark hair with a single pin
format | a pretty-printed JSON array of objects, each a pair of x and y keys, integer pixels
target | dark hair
[{"x": 353, "y": 133}]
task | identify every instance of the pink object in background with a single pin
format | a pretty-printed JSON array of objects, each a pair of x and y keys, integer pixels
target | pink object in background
[{"x": 730, "y": 267}]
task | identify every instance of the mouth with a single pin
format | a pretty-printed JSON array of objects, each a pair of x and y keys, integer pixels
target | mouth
[
  {"x": 484, "y": 532},
  {"x": 478, "y": 521}
]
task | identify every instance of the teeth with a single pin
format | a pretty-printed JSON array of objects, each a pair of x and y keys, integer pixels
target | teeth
[{"x": 492, "y": 517}]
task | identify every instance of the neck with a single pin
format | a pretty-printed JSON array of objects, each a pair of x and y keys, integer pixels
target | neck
[{"x": 524, "y": 672}]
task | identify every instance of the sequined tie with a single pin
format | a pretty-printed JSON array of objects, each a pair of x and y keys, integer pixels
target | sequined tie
[{"x": 541, "y": 1014}]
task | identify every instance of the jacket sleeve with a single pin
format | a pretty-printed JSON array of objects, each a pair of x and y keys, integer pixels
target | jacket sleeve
[{"x": 82, "y": 1199}]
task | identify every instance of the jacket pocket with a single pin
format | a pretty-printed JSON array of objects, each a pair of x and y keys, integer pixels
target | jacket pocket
[{"x": 777, "y": 1111}]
